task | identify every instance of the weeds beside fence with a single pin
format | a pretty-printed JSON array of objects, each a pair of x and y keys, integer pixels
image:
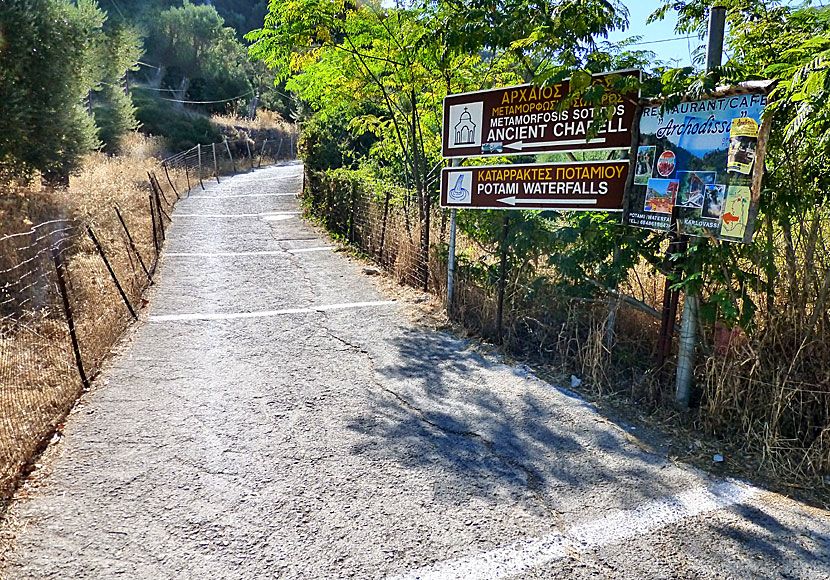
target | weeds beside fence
[
  {"x": 767, "y": 395},
  {"x": 74, "y": 265}
]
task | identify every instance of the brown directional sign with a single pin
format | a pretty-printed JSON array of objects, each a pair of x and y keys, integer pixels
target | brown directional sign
[
  {"x": 527, "y": 119},
  {"x": 585, "y": 186}
]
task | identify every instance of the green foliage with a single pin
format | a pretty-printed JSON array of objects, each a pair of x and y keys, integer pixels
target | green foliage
[
  {"x": 181, "y": 129},
  {"x": 387, "y": 70},
  {"x": 545, "y": 39},
  {"x": 201, "y": 59},
  {"x": 241, "y": 15},
  {"x": 47, "y": 70},
  {"x": 112, "y": 106},
  {"x": 59, "y": 76}
]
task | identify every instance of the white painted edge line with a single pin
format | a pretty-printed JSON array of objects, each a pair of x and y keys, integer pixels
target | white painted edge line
[
  {"x": 243, "y": 254},
  {"x": 611, "y": 529},
  {"x": 238, "y": 215},
  {"x": 244, "y": 195},
  {"x": 277, "y": 217},
  {"x": 318, "y": 249},
  {"x": 223, "y": 254},
  {"x": 267, "y": 313}
]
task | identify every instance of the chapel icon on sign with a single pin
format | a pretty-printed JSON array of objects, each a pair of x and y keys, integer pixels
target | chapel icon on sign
[
  {"x": 464, "y": 125},
  {"x": 465, "y": 129}
]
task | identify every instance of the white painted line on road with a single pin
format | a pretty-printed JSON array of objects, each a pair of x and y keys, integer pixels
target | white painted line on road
[
  {"x": 270, "y": 215},
  {"x": 267, "y": 313},
  {"x": 243, "y": 254},
  {"x": 318, "y": 249},
  {"x": 244, "y": 195},
  {"x": 277, "y": 217},
  {"x": 611, "y": 529},
  {"x": 214, "y": 215},
  {"x": 223, "y": 254}
]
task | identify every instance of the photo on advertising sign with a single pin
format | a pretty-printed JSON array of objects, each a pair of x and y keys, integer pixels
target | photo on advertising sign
[{"x": 697, "y": 161}]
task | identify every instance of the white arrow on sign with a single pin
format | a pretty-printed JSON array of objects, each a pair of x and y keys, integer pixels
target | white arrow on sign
[
  {"x": 519, "y": 145},
  {"x": 513, "y": 201}
]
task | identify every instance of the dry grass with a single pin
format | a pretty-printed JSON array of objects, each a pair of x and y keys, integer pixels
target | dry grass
[
  {"x": 264, "y": 121},
  {"x": 765, "y": 397},
  {"x": 39, "y": 381}
]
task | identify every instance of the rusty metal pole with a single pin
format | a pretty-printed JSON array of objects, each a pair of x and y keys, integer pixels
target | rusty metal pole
[
  {"x": 111, "y": 271},
  {"x": 215, "y": 164},
  {"x": 60, "y": 268},
  {"x": 133, "y": 246}
]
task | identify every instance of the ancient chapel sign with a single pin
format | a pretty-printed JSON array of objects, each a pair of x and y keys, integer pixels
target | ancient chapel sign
[{"x": 527, "y": 119}]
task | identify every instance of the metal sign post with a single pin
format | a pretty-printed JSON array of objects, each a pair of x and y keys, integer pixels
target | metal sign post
[
  {"x": 451, "y": 254},
  {"x": 688, "y": 328},
  {"x": 529, "y": 120}
]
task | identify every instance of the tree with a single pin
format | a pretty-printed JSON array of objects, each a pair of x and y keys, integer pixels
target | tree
[
  {"x": 112, "y": 105},
  {"x": 199, "y": 57},
  {"x": 365, "y": 60},
  {"x": 60, "y": 80},
  {"x": 48, "y": 67}
]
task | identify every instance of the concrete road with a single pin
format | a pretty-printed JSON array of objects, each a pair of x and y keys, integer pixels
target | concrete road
[{"x": 276, "y": 417}]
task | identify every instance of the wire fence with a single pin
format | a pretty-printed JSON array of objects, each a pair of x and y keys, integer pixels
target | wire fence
[
  {"x": 755, "y": 391},
  {"x": 69, "y": 288},
  {"x": 386, "y": 223}
]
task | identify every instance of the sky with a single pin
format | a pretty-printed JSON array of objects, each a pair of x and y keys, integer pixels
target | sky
[{"x": 675, "y": 48}]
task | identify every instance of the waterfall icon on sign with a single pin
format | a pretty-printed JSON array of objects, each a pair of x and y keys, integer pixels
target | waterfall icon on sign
[
  {"x": 465, "y": 125},
  {"x": 459, "y": 183}
]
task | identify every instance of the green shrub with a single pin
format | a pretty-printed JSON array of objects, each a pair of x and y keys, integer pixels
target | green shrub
[{"x": 180, "y": 130}]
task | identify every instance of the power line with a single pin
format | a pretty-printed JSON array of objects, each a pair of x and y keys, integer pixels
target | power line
[
  {"x": 207, "y": 102},
  {"x": 661, "y": 40}
]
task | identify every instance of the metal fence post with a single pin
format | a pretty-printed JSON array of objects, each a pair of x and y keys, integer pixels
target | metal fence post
[
  {"x": 155, "y": 232},
  {"x": 132, "y": 245},
  {"x": 60, "y": 268},
  {"x": 233, "y": 163},
  {"x": 187, "y": 175},
  {"x": 262, "y": 152},
  {"x": 215, "y": 164},
  {"x": 111, "y": 271},
  {"x": 250, "y": 157},
  {"x": 170, "y": 181},
  {"x": 199, "y": 148},
  {"x": 156, "y": 186}
]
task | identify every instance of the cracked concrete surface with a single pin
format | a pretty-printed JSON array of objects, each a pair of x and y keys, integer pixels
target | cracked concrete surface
[{"x": 348, "y": 443}]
